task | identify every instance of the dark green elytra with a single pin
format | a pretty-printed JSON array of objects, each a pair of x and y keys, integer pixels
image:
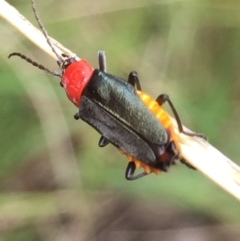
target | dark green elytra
[
  {"x": 112, "y": 106},
  {"x": 118, "y": 97}
]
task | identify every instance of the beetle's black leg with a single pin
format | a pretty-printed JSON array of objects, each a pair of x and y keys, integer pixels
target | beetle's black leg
[
  {"x": 102, "y": 61},
  {"x": 133, "y": 80},
  {"x": 187, "y": 164},
  {"x": 161, "y": 99},
  {"x": 103, "y": 141},
  {"x": 76, "y": 116},
  {"x": 129, "y": 173}
]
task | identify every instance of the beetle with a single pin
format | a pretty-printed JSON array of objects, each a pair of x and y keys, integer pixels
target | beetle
[{"x": 124, "y": 115}]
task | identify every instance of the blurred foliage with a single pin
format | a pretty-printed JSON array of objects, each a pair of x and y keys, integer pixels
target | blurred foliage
[{"x": 188, "y": 49}]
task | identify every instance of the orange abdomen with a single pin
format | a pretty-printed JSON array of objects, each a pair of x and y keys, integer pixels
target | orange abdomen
[{"x": 165, "y": 119}]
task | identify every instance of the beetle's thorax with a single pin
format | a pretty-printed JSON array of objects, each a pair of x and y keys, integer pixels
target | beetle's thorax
[{"x": 75, "y": 77}]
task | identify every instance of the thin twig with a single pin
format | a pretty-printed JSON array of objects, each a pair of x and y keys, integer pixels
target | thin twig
[{"x": 197, "y": 152}]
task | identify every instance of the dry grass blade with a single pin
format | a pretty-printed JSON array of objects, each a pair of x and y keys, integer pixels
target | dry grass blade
[
  {"x": 10, "y": 14},
  {"x": 197, "y": 152},
  {"x": 212, "y": 163}
]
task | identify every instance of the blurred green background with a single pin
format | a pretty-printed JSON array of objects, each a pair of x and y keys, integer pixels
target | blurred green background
[{"x": 56, "y": 184}]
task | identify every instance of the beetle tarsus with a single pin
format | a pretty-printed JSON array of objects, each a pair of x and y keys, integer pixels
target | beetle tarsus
[
  {"x": 129, "y": 173},
  {"x": 103, "y": 141},
  {"x": 194, "y": 134}
]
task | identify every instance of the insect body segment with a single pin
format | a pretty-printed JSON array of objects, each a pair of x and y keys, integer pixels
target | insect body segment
[{"x": 75, "y": 78}]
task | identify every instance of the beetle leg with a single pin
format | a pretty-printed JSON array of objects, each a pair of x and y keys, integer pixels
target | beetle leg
[
  {"x": 133, "y": 80},
  {"x": 187, "y": 164},
  {"x": 161, "y": 99},
  {"x": 103, "y": 141},
  {"x": 102, "y": 62},
  {"x": 76, "y": 116},
  {"x": 129, "y": 173}
]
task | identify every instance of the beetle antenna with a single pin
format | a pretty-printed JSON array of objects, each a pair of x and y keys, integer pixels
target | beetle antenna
[
  {"x": 44, "y": 31},
  {"x": 55, "y": 73}
]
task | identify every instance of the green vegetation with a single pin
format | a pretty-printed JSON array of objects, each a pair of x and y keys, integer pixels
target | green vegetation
[{"x": 188, "y": 49}]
